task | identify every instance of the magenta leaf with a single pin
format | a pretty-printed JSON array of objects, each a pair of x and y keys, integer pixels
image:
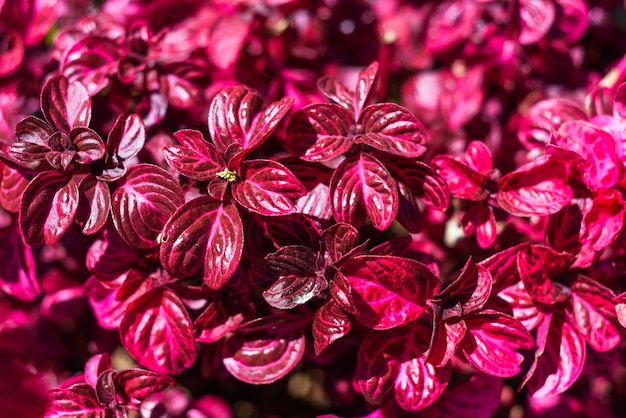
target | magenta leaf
[
  {"x": 18, "y": 277},
  {"x": 593, "y": 312},
  {"x": 491, "y": 341},
  {"x": 77, "y": 401},
  {"x": 389, "y": 291},
  {"x": 330, "y": 324},
  {"x": 446, "y": 337},
  {"x": 47, "y": 208},
  {"x": 603, "y": 222},
  {"x": 479, "y": 219},
  {"x": 91, "y": 61},
  {"x": 108, "y": 310},
  {"x": 391, "y": 128},
  {"x": 559, "y": 358},
  {"x": 88, "y": 143},
  {"x": 362, "y": 185},
  {"x": 227, "y": 38},
  {"x": 264, "y": 350},
  {"x": 463, "y": 181},
  {"x": 421, "y": 180},
  {"x": 127, "y": 137},
  {"x": 364, "y": 92},
  {"x": 268, "y": 188},
  {"x": 339, "y": 240},
  {"x": 393, "y": 361},
  {"x": 12, "y": 185},
  {"x": 544, "y": 117},
  {"x": 476, "y": 398},
  {"x": 236, "y": 116},
  {"x": 503, "y": 267},
  {"x": 537, "y": 188},
  {"x": 158, "y": 332},
  {"x": 336, "y": 91},
  {"x": 65, "y": 105},
  {"x": 94, "y": 204},
  {"x": 194, "y": 157},
  {"x": 471, "y": 289},
  {"x": 319, "y": 132},
  {"x": 536, "y": 18},
  {"x": 203, "y": 233},
  {"x": 537, "y": 267},
  {"x": 620, "y": 308},
  {"x": 220, "y": 318},
  {"x": 95, "y": 366},
  {"x": 291, "y": 291},
  {"x": 144, "y": 203},
  {"x": 139, "y": 384}
]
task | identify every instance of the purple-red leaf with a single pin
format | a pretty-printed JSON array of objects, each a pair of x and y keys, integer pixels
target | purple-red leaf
[
  {"x": 158, "y": 332},
  {"x": 330, "y": 324},
  {"x": 139, "y": 384},
  {"x": 12, "y": 185},
  {"x": 94, "y": 205},
  {"x": 538, "y": 265},
  {"x": 268, "y": 188},
  {"x": 144, "y": 203},
  {"x": 339, "y": 240},
  {"x": 47, "y": 208},
  {"x": 360, "y": 186},
  {"x": 491, "y": 341},
  {"x": 291, "y": 291},
  {"x": 77, "y": 401},
  {"x": 389, "y": 291},
  {"x": 18, "y": 277},
  {"x": 65, "y": 105},
  {"x": 203, "y": 233},
  {"x": 264, "y": 350},
  {"x": 393, "y": 129},
  {"x": 319, "y": 132},
  {"x": 127, "y": 137},
  {"x": 194, "y": 157},
  {"x": 537, "y": 188}
]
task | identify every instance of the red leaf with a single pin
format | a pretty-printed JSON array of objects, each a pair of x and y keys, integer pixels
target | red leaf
[
  {"x": 47, "y": 208},
  {"x": 362, "y": 185},
  {"x": 337, "y": 92},
  {"x": 503, "y": 267},
  {"x": 537, "y": 188},
  {"x": 127, "y": 137},
  {"x": 479, "y": 219},
  {"x": 593, "y": 311},
  {"x": 268, "y": 188},
  {"x": 538, "y": 266},
  {"x": 194, "y": 157},
  {"x": 462, "y": 180},
  {"x": 65, "y": 105},
  {"x": 491, "y": 341},
  {"x": 94, "y": 205},
  {"x": 77, "y": 401},
  {"x": 157, "y": 331},
  {"x": 18, "y": 277},
  {"x": 559, "y": 358},
  {"x": 139, "y": 384},
  {"x": 389, "y": 291},
  {"x": 471, "y": 289},
  {"x": 203, "y": 232},
  {"x": 144, "y": 203},
  {"x": 264, "y": 350},
  {"x": 319, "y": 132},
  {"x": 391, "y": 128},
  {"x": 364, "y": 92},
  {"x": 330, "y": 324}
]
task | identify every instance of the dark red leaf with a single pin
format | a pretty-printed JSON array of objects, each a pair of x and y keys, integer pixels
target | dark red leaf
[
  {"x": 268, "y": 188},
  {"x": 203, "y": 233},
  {"x": 65, "y": 105},
  {"x": 18, "y": 277},
  {"x": 158, "y": 332},
  {"x": 362, "y": 185},
  {"x": 393, "y": 129},
  {"x": 330, "y": 324},
  {"x": 291, "y": 291},
  {"x": 94, "y": 205},
  {"x": 47, "y": 208},
  {"x": 339, "y": 240},
  {"x": 319, "y": 132},
  {"x": 144, "y": 203},
  {"x": 194, "y": 157},
  {"x": 264, "y": 350},
  {"x": 127, "y": 137},
  {"x": 139, "y": 384}
]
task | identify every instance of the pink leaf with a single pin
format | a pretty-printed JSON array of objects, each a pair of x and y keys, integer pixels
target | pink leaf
[
  {"x": 143, "y": 204},
  {"x": 47, "y": 208},
  {"x": 12, "y": 185},
  {"x": 127, "y": 137},
  {"x": 361, "y": 185},
  {"x": 18, "y": 277},
  {"x": 479, "y": 219},
  {"x": 330, "y": 324},
  {"x": 337, "y": 92},
  {"x": 537, "y": 188},
  {"x": 559, "y": 358},
  {"x": 603, "y": 222},
  {"x": 207, "y": 233},
  {"x": 139, "y": 384},
  {"x": 471, "y": 289},
  {"x": 95, "y": 366},
  {"x": 536, "y": 18},
  {"x": 389, "y": 291},
  {"x": 264, "y": 350},
  {"x": 268, "y": 188},
  {"x": 462, "y": 180},
  {"x": 65, "y": 105},
  {"x": 391, "y": 128},
  {"x": 364, "y": 92},
  {"x": 77, "y": 401},
  {"x": 194, "y": 157},
  {"x": 227, "y": 38},
  {"x": 491, "y": 341},
  {"x": 157, "y": 331},
  {"x": 538, "y": 266},
  {"x": 319, "y": 132}
]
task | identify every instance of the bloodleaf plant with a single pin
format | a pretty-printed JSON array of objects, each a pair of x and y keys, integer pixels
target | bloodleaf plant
[
  {"x": 379, "y": 176},
  {"x": 207, "y": 232}
]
